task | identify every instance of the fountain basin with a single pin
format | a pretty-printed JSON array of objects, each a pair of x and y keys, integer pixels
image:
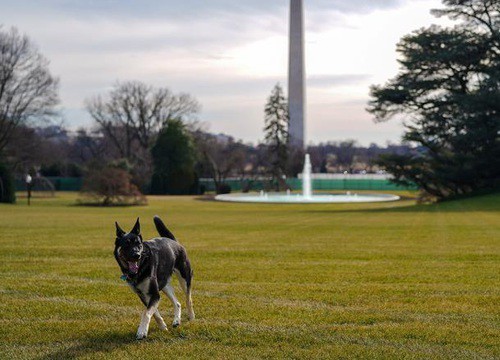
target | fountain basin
[
  {"x": 279, "y": 198},
  {"x": 307, "y": 196}
]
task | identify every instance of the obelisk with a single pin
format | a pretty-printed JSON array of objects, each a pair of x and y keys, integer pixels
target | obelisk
[{"x": 296, "y": 75}]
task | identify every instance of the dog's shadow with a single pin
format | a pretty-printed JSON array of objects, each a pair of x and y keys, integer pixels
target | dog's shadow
[{"x": 101, "y": 344}]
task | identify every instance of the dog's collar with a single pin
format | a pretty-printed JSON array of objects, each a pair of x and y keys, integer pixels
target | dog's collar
[{"x": 127, "y": 277}]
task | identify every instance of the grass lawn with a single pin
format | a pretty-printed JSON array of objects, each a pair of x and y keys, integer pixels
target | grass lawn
[{"x": 371, "y": 281}]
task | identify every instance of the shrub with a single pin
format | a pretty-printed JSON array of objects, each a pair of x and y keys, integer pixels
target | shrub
[{"x": 110, "y": 186}]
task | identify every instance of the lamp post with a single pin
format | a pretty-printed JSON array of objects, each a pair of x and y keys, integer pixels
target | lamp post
[{"x": 29, "y": 185}]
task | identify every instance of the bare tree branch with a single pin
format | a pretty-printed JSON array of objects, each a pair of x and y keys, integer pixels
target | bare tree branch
[
  {"x": 27, "y": 89},
  {"x": 134, "y": 113}
]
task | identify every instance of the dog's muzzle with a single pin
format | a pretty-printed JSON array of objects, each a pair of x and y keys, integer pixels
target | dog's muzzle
[{"x": 133, "y": 266}]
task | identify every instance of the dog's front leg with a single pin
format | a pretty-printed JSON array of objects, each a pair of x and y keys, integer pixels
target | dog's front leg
[{"x": 151, "y": 309}]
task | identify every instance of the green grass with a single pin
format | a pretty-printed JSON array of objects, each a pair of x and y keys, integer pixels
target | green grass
[{"x": 371, "y": 281}]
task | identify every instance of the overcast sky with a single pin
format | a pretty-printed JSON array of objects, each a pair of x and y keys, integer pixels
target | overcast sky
[{"x": 227, "y": 53}]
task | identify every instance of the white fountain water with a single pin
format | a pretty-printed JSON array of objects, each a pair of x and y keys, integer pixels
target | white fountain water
[
  {"x": 306, "y": 178},
  {"x": 307, "y": 196}
]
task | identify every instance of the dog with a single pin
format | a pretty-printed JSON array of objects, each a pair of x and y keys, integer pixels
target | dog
[{"x": 148, "y": 266}]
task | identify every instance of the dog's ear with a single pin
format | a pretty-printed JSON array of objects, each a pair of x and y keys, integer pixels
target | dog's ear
[
  {"x": 119, "y": 231},
  {"x": 137, "y": 228}
]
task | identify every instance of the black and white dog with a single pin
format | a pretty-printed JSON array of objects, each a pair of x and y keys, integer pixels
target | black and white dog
[{"x": 147, "y": 266}]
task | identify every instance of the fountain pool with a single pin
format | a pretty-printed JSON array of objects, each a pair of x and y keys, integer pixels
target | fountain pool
[
  {"x": 300, "y": 199},
  {"x": 307, "y": 196}
]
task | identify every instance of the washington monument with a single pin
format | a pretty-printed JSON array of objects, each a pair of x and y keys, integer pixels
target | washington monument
[{"x": 296, "y": 74}]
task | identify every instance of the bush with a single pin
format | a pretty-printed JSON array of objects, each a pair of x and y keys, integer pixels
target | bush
[
  {"x": 110, "y": 186},
  {"x": 7, "y": 188}
]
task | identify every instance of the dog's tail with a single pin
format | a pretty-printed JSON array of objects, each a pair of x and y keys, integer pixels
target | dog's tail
[{"x": 162, "y": 229}]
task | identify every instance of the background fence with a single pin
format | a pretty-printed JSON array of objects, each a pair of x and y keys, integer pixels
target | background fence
[
  {"x": 59, "y": 184},
  {"x": 325, "y": 182}
]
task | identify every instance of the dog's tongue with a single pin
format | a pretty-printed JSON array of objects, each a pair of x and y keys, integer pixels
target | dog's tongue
[{"x": 133, "y": 267}]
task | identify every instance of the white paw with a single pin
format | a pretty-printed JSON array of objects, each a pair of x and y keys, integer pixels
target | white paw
[
  {"x": 141, "y": 334},
  {"x": 163, "y": 327},
  {"x": 176, "y": 323}
]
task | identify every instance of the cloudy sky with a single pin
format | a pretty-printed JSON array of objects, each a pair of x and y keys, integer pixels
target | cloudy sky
[{"x": 227, "y": 53}]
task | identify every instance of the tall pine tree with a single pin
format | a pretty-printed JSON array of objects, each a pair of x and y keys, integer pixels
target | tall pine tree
[{"x": 276, "y": 133}]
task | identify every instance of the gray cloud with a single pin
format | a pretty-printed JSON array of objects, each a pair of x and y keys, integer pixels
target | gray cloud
[
  {"x": 354, "y": 6},
  {"x": 186, "y": 9},
  {"x": 193, "y": 8},
  {"x": 114, "y": 25}
]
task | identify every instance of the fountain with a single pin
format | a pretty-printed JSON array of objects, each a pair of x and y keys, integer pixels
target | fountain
[
  {"x": 296, "y": 106},
  {"x": 307, "y": 196},
  {"x": 306, "y": 178}
]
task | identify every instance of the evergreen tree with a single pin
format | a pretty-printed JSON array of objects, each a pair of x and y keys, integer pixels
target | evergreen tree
[
  {"x": 174, "y": 160},
  {"x": 276, "y": 132},
  {"x": 448, "y": 89}
]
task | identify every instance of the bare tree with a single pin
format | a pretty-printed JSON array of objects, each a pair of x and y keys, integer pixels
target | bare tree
[
  {"x": 134, "y": 113},
  {"x": 29, "y": 150},
  {"x": 27, "y": 89},
  {"x": 89, "y": 146},
  {"x": 219, "y": 158}
]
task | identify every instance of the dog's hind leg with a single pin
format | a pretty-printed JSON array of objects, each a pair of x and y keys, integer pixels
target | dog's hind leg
[
  {"x": 186, "y": 287},
  {"x": 159, "y": 320},
  {"x": 169, "y": 291}
]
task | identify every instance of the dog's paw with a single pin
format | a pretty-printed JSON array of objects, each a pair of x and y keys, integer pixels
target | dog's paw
[
  {"x": 141, "y": 334},
  {"x": 163, "y": 327},
  {"x": 176, "y": 323}
]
